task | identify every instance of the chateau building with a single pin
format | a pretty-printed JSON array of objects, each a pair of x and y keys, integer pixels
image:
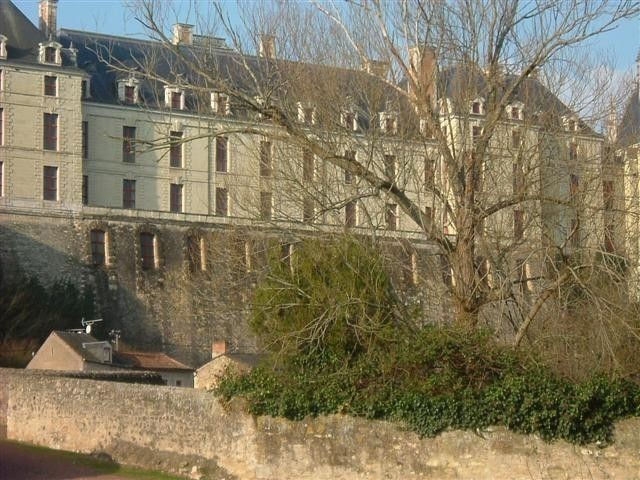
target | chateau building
[{"x": 164, "y": 195}]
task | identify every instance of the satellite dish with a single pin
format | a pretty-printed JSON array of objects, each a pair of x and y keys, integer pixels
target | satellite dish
[{"x": 88, "y": 329}]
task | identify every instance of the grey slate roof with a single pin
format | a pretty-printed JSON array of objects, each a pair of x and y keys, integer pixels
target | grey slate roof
[
  {"x": 22, "y": 35},
  {"x": 629, "y": 128}
]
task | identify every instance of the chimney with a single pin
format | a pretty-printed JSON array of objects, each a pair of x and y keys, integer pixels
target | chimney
[
  {"x": 182, "y": 34},
  {"x": 423, "y": 63},
  {"x": 48, "y": 13},
  {"x": 267, "y": 47},
  {"x": 218, "y": 348}
]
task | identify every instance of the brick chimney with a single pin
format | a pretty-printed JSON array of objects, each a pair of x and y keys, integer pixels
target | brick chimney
[
  {"x": 218, "y": 348},
  {"x": 267, "y": 47},
  {"x": 423, "y": 63},
  {"x": 48, "y": 13},
  {"x": 182, "y": 34}
]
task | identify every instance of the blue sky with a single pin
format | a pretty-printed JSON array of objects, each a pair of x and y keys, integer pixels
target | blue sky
[{"x": 111, "y": 16}]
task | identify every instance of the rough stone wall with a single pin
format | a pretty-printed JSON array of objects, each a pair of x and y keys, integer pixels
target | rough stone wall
[
  {"x": 171, "y": 427},
  {"x": 185, "y": 303}
]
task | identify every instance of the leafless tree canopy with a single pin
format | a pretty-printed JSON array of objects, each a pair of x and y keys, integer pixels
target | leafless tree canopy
[{"x": 478, "y": 120}]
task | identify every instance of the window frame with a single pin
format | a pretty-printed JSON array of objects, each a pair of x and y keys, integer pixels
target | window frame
[
  {"x": 50, "y": 86},
  {"x": 98, "y": 240},
  {"x": 50, "y": 183},
  {"x": 222, "y": 202},
  {"x": 176, "y": 149},
  {"x": 176, "y": 198},
  {"x": 148, "y": 256},
  {"x": 50, "y": 132},
  {"x": 266, "y": 159},
  {"x": 128, "y": 193},
  {"x": 128, "y": 144},
  {"x": 222, "y": 154}
]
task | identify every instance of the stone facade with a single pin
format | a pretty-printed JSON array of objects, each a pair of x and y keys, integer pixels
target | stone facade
[{"x": 186, "y": 430}]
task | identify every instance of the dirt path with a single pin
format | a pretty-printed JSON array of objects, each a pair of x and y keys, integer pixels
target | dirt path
[{"x": 19, "y": 462}]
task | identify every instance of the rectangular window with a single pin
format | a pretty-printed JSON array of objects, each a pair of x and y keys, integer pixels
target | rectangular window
[
  {"x": 609, "y": 243},
  {"x": 308, "y": 165},
  {"x": 349, "y": 119},
  {"x": 98, "y": 247},
  {"x": 222, "y": 202},
  {"x": 148, "y": 250},
  {"x": 265, "y": 159},
  {"x": 129, "y": 144},
  {"x": 350, "y": 213},
  {"x": 573, "y": 152},
  {"x": 195, "y": 253},
  {"x": 85, "y": 190},
  {"x": 128, "y": 193},
  {"x": 574, "y": 234},
  {"x": 516, "y": 139},
  {"x": 50, "y": 55},
  {"x": 475, "y": 108},
  {"x": 391, "y": 216},
  {"x": 574, "y": 186},
  {"x": 607, "y": 194},
  {"x": 1, "y": 126},
  {"x": 390, "y": 124},
  {"x": 222, "y": 154},
  {"x": 84, "y": 89},
  {"x": 518, "y": 224},
  {"x": 350, "y": 155},
  {"x": 429, "y": 171},
  {"x": 175, "y": 198},
  {"x": 176, "y": 100},
  {"x": 129, "y": 94},
  {"x": 390, "y": 166},
  {"x": 518, "y": 179},
  {"x": 50, "y": 183},
  {"x": 308, "y": 210},
  {"x": 476, "y": 132},
  {"x": 1, "y": 179},
  {"x": 50, "y": 131},
  {"x": 175, "y": 149},
  {"x": 85, "y": 140},
  {"x": 266, "y": 205},
  {"x": 50, "y": 86}
]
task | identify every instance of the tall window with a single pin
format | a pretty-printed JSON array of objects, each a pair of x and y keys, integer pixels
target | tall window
[
  {"x": 129, "y": 94},
  {"x": 609, "y": 239},
  {"x": 98, "y": 250},
  {"x": 607, "y": 194},
  {"x": 350, "y": 214},
  {"x": 222, "y": 202},
  {"x": 518, "y": 224},
  {"x": 222, "y": 153},
  {"x": 84, "y": 89},
  {"x": 85, "y": 190},
  {"x": 50, "y": 86},
  {"x": 516, "y": 139},
  {"x": 265, "y": 159},
  {"x": 574, "y": 186},
  {"x": 148, "y": 250},
  {"x": 391, "y": 216},
  {"x": 128, "y": 193},
  {"x": 85, "y": 140},
  {"x": 390, "y": 166},
  {"x": 573, "y": 152},
  {"x": 308, "y": 165},
  {"x": 50, "y": 54},
  {"x": 574, "y": 234},
  {"x": 429, "y": 171},
  {"x": 128, "y": 144},
  {"x": 1, "y": 126},
  {"x": 348, "y": 176},
  {"x": 1, "y": 179},
  {"x": 176, "y": 100},
  {"x": 175, "y": 149},
  {"x": 266, "y": 205},
  {"x": 518, "y": 179},
  {"x": 195, "y": 253},
  {"x": 50, "y": 183},
  {"x": 50, "y": 131},
  {"x": 476, "y": 132},
  {"x": 175, "y": 198},
  {"x": 308, "y": 210}
]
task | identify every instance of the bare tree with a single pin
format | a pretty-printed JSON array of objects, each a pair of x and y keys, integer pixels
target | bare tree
[{"x": 469, "y": 125}]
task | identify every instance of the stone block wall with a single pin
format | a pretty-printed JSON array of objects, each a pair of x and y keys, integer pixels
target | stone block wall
[
  {"x": 201, "y": 287},
  {"x": 169, "y": 427}
]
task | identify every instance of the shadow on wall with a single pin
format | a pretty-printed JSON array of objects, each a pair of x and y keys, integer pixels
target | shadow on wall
[{"x": 58, "y": 251}]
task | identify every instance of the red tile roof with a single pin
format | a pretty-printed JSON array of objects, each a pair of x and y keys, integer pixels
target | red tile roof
[{"x": 152, "y": 361}]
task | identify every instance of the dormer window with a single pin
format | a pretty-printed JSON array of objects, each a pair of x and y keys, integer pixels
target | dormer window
[
  {"x": 220, "y": 103},
  {"x": 3, "y": 47},
  {"x": 349, "y": 121},
  {"x": 477, "y": 106},
  {"x": 50, "y": 53},
  {"x": 174, "y": 98},
  {"x": 515, "y": 111},
  {"x": 128, "y": 91},
  {"x": 306, "y": 114},
  {"x": 571, "y": 124},
  {"x": 388, "y": 122}
]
